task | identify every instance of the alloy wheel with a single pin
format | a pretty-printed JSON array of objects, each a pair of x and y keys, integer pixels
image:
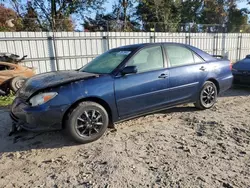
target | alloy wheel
[
  {"x": 208, "y": 96},
  {"x": 89, "y": 123}
]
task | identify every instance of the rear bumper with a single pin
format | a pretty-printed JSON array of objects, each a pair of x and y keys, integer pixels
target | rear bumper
[
  {"x": 41, "y": 118},
  {"x": 240, "y": 79},
  {"x": 225, "y": 83}
]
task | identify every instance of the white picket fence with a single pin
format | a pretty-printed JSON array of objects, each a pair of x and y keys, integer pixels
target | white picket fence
[{"x": 74, "y": 49}]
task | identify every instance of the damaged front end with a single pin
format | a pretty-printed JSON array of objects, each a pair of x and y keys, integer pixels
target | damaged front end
[
  {"x": 52, "y": 79},
  {"x": 40, "y": 104},
  {"x": 16, "y": 125}
]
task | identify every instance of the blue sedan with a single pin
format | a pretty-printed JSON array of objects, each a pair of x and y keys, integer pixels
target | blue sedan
[
  {"x": 120, "y": 84},
  {"x": 241, "y": 72}
]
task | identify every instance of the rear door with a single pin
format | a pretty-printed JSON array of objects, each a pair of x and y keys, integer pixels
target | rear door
[
  {"x": 145, "y": 90},
  {"x": 187, "y": 72}
]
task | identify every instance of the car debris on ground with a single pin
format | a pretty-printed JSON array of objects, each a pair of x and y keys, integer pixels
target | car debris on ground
[{"x": 12, "y": 74}]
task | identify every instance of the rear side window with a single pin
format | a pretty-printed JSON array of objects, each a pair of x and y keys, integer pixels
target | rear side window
[
  {"x": 179, "y": 56},
  {"x": 197, "y": 59}
]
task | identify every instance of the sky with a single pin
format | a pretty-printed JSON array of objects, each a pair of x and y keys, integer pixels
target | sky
[
  {"x": 109, "y": 5},
  {"x": 242, "y": 5}
]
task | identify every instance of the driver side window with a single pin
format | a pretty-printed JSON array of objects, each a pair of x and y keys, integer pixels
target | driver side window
[{"x": 148, "y": 59}]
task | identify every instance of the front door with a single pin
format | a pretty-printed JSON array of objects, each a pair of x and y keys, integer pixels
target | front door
[{"x": 145, "y": 90}]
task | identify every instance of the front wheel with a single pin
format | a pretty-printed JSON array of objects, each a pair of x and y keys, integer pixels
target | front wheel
[
  {"x": 207, "y": 96},
  {"x": 87, "y": 122}
]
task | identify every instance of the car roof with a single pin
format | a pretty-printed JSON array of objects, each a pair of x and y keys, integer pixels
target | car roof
[{"x": 141, "y": 45}]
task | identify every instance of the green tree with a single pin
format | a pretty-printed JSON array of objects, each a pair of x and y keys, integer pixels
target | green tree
[
  {"x": 120, "y": 19},
  {"x": 55, "y": 13},
  {"x": 30, "y": 20},
  {"x": 237, "y": 19},
  {"x": 9, "y": 20},
  {"x": 190, "y": 11},
  {"x": 123, "y": 11},
  {"x": 99, "y": 23},
  {"x": 109, "y": 22},
  {"x": 162, "y": 15},
  {"x": 58, "y": 13},
  {"x": 213, "y": 12}
]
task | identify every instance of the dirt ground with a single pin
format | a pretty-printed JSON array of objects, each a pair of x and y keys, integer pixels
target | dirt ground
[{"x": 180, "y": 147}]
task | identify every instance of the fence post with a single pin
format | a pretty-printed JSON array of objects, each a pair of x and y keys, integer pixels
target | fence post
[
  {"x": 189, "y": 36},
  {"x": 152, "y": 37},
  {"x": 240, "y": 46},
  {"x": 238, "y": 51},
  {"x": 223, "y": 44},
  {"x": 154, "y": 31},
  {"x": 54, "y": 44},
  {"x": 105, "y": 43},
  {"x": 214, "y": 45},
  {"x": 186, "y": 39},
  {"x": 107, "y": 38},
  {"x": 217, "y": 43}
]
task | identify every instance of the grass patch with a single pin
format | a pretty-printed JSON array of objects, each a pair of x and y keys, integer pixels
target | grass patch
[{"x": 6, "y": 100}]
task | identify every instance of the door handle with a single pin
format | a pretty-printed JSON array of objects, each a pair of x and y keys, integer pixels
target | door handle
[
  {"x": 163, "y": 76},
  {"x": 203, "y": 68}
]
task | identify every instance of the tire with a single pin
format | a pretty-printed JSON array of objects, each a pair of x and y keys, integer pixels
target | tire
[
  {"x": 87, "y": 122},
  {"x": 16, "y": 83},
  {"x": 2, "y": 93},
  {"x": 207, "y": 96}
]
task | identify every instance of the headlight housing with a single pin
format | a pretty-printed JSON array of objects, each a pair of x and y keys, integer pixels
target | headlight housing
[{"x": 42, "y": 98}]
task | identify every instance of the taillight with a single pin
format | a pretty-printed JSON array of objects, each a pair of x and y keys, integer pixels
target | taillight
[{"x": 231, "y": 65}]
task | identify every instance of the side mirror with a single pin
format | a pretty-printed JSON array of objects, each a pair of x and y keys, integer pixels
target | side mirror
[
  {"x": 248, "y": 56},
  {"x": 129, "y": 70}
]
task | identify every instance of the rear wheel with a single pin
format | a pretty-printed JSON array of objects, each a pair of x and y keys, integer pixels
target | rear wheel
[
  {"x": 87, "y": 122},
  {"x": 207, "y": 96},
  {"x": 16, "y": 83}
]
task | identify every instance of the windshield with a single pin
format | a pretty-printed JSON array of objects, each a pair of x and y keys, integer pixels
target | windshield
[{"x": 107, "y": 62}]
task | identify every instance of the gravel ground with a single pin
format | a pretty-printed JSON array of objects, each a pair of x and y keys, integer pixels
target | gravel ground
[{"x": 180, "y": 147}]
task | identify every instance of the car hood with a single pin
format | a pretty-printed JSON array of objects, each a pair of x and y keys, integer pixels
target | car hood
[
  {"x": 51, "y": 79},
  {"x": 243, "y": 65}
]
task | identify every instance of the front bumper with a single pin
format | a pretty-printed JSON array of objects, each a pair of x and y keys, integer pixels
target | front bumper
[{"x": 40, "y": 118}]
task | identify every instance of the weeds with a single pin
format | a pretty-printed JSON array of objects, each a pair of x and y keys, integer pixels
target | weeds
[{"x": 7, "y": 100}]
